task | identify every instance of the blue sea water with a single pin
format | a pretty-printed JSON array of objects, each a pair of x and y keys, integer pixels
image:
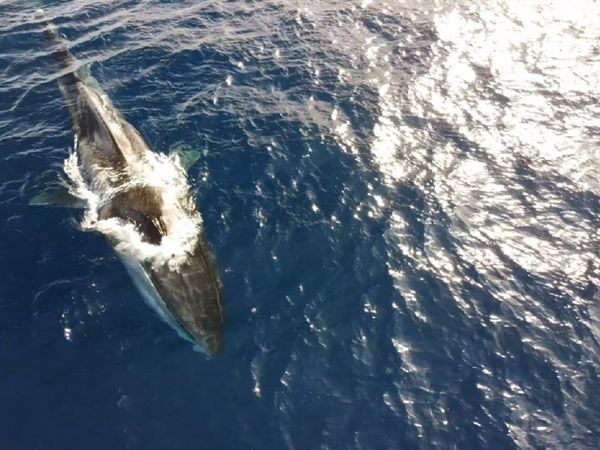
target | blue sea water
[{"x": 403, "y": 199}]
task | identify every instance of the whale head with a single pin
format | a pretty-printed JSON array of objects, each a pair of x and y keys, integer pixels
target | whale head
[{"x": 193, "y": 295}]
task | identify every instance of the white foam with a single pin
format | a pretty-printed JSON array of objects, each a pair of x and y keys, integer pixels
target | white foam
[{"x": 161, "y": 172}]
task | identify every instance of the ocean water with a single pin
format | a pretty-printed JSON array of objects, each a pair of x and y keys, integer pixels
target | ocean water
[{"x": 403, "y": 198}]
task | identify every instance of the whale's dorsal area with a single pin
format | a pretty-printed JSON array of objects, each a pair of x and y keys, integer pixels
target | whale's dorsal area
[
  {"x": 92, "y": 126},
  {"x": 142, "y": 207}
]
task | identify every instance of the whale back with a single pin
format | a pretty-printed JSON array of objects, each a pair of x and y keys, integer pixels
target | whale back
[{"x": 141, "y": 206}]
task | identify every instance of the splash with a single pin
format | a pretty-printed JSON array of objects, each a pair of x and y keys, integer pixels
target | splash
[{"x": 165, "y": 175}]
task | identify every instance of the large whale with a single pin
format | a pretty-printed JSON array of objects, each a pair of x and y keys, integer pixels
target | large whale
[{"x": 141, "y": 202}]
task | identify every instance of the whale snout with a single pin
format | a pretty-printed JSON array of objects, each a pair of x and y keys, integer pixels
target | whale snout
[
  {"x": 212, "y": 342},
  {"x": 193, "y": 295}
]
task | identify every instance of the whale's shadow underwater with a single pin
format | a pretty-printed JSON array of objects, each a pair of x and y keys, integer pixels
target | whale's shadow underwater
[{"x": 141, "y": 202}]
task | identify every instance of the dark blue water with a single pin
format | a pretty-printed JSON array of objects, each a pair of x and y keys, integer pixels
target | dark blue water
[{"x": 403, "y": 200}]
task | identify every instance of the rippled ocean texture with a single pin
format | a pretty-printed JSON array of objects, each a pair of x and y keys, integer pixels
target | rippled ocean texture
[{"x": 403, "y": 198}]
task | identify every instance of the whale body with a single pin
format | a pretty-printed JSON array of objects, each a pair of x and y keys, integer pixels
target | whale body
[{"x": 140, "y": 201}]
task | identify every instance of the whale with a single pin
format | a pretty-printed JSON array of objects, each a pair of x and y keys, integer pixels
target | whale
[{"x": 141, "y": 201}]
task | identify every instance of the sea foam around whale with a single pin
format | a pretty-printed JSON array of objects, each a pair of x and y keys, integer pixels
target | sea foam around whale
[{"x": 161, "y": 172}]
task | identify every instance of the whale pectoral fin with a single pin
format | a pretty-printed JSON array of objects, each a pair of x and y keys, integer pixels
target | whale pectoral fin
[
  {"x": 60, "y": 197},
  {"x": 187, "y": 158}
]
